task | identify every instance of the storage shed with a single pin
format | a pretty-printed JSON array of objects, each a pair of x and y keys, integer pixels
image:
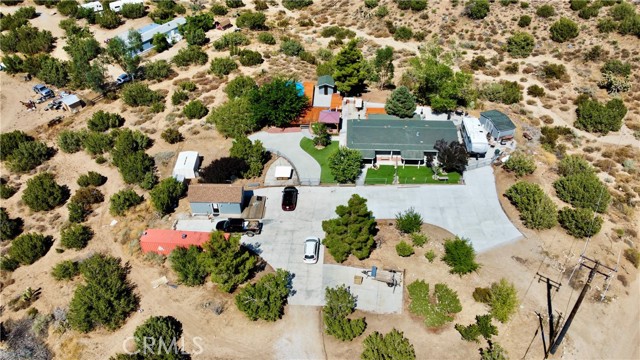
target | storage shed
[
  {"x": 72, "y": 103},
  {"x": 498, "y": 124},
  {"x": 164, "y": 241},
  {"x": 215, "y": 199},
  {"x": 187, "y": 165}
]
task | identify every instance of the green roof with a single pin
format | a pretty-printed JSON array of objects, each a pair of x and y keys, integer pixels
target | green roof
[
  {"x": 326, "y": 80},
  {"x": 412, "y": 138},
  {"x": 391, "y": 117},
  {"x": 500, "y": 121}
]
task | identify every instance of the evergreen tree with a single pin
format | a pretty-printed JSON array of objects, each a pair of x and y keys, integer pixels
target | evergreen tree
[
  {"x": 43, "y": 193},
  {"x": 266, "y": 299},
  {"x": 350, "y": 69},
  {"x": 229, "y": 263},
  {"x": 401, "y": 103},
  {"x": 166, "y": 332},
  {"x": 391, "y": 346},
  {"x": 277, "y": 103},
  {"x": 166, "y": 194},
  {"x": 9, "y": 228},
  {"x": 352, "y": 232},
  {"x": 345, "y": 165},
  {"x": 340, "y": 303},
  {"x": 383, "y": 64}
]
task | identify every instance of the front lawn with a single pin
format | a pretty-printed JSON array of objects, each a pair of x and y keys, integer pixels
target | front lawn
[
  {"x": 322, "y": 157},
  {"x": 407, "y": 175}
]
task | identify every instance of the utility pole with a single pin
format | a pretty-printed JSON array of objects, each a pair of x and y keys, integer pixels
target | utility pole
[
  {"x": 593, "y": 270},
  {"x": 552, "y": 327}
]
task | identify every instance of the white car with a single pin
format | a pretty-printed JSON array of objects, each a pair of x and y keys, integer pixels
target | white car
[{"x": 311, "y": 250}]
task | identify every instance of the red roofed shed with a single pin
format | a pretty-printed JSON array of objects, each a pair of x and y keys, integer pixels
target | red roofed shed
[{"x": 163, "y": 241}]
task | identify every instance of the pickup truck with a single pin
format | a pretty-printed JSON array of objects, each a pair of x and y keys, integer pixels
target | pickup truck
[
  {"x": 43, "y": 91},
  {"x": 247, "y": 227}
]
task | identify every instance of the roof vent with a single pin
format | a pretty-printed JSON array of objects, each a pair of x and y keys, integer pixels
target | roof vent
[
  {"x": 417, "y": 133},
  {"x": 184, "y": 236}
]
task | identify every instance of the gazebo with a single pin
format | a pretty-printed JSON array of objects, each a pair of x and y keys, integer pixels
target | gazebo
[{"x": 331, "y": 118}]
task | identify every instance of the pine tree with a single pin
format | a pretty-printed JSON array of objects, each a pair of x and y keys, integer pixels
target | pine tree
[
  {"x": 350, "y": 66},
  {"x": 352, "y": 232},
  {"x": 387, "y": 347},
  {"x": 401, "y": 103}
]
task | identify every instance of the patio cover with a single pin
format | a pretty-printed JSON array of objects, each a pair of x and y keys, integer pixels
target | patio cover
[
  {"x": 283, "y": 172},
  {"x": 329, "y": 117}
]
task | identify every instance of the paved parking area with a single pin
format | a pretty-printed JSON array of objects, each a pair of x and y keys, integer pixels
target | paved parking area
[
  {"x": 288, "y": 145},
  {"x": 472, "y": 211}
]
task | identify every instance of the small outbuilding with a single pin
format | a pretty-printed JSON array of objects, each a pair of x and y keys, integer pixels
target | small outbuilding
[
  {"x": 72, "y": 103},
  {"x": 223, "y": 24},
  {"x": 187, "y": 165},
  {"x": 215, "y": 199},
  {"x": 283, "y": 172},
  {"x": 164, "y": 241},
  {"x": 498, "y": 124}
]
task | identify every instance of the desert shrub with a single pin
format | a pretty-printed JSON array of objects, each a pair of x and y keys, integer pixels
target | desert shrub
[
  {"x": 614, "y": 84},
  {"x": 65, "y": 270},
  {"x": 564, "y": 30},
  {"x": 188, "y": 264},
  {"x": 291, "y": 47},
  {"x": 103, "y": 121},
  {"x": 123, "y": 200},
  {"x": 583, "y": 190},
  {"x": 601, "y": 118},
  {"x": 520, "y": 45},
  {"x": 43, "y": 193},
  {"x": 524, "y": 21},
  {"x": 504, "y": 300},
  {"x": 251, "y": 20},
  {"x": 9, "y": 228},
  {"x": 96, "y": 143},
  {"x": 606, "y": 25},
  {"x": 219, "y": 9},
  {"x": 482, "y": 295},
  {"x": 595, "y": 53},
  {"x": 166, "y": 194},
  {"x": 574, "y": 164},
  {"x": 553, "y": 71},
  {"x": 266, "y": 38},
  {"x": 633, "y": 255},
  {"x": 589, "y": 12},
  {"x": 195, "y": 110},
  {"x": 430, "y": 255},
  {"x": 138, "y": 94},
  {"x": 240, "y": 86},
  {"x": 234, "y": 3},
  {"x": 6, "y": 190},
  {"x": 506, "y": 92},
  {"x": 392, "y": 345},
  {"x": 28, "y": 156},
  {"x": 482, "y": 326},
  {"x": 296, "y": 4},
  {"x": 222, "y": 66},
  {"x": 157, "y": 70},
  {"x": 580, "y": 223},
  {"x": 404, "y": 249},
  {"x": 460, "y": 256},
  {"x": 191, "y": 55},
  {"x": 511, "y": 68},
  {"x": 172, "y": 136},
  {"x": 231, "y": 40},
  {"x": 382, "y": 11},
  {"x": 28, "y": 248},
  {"x": 91, "y": 178},
  {"x": 340, "y": 303},
  {"x": 437, "y": 309},
  {"x": 477, "y": 9},
  {"x": 75, "y": 236},
  {"x": 308, "y": 57},
  {"x": 402, "y": 33},
  {"x": 250, "y": 58},
  {"x": 419, "y": 239},
  {"x": 370, "y": 3},
  {"x": 616, "y": 67},
  {"x": 622, "y": 11},
  {"x": 520, "y": 164},
  {"x": 577, "y": 5},
  {"x": 409, "y": 221},
  {"x": 265, "y": 299},
  {"x": 10, "y": 141},
  {"x": 478, "y": 62},
  {"x": 179, "y": 97},
  {"x": 545, "y": 11},
  {"x": 537, "y": 211},
  {"x": 535, "y": 91}
]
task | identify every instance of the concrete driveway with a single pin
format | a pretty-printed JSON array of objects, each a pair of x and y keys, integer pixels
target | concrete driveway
[{"x": 288, "y": 145}]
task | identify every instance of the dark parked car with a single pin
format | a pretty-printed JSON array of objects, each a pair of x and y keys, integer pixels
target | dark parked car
[
  {"x": 247, "y": 227},
  {"x": 289, "y": 198}
]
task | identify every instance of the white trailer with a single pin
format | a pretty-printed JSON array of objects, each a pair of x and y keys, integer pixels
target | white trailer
[
  {"x": 96, "y": 6},
  {"x": 187, "y": 165},
  {"x": 474, "y": 136},
  {"x": 116, "y": 6}
]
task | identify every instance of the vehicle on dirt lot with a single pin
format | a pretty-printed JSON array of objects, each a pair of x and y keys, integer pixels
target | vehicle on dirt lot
[
  {"x": 43, "y": 91},
  {"x": 123, "y": 78},
  {"x": 247, "y": 227},
  {"x": 311, "y": 250},
  {"x": 289, "y": 198}
]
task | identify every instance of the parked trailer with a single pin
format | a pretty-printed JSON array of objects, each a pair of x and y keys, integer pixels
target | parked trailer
[
  {"x": 96, "y": 6},
  {"x": 116, "y": 6},
  {"x": 391, "y": 277}
]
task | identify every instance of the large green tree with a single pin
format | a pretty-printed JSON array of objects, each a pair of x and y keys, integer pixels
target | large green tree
[
  {"x": 234, "y": 118},
  {"x": 107, "y": 297},
  {"x": 345, "y": 165},
  {"x": 229, "y": 263},
  {"x": 340, "y": 303},
  {"x": 43, "y": 193},
  {"x": 452, "y": 156},
  {"x": 537, "y": 210},
  {"x": 266, "y": 299},
  {"x": 166, "y": 332},
  {"x": 401, "y": 103},
  {"x": 383, "y": 65},
  {"x": 188, "y": 264},
  {"x": 390, "y": 346},
  {"x": 352, "y": 232},
  {"x": 350, "y": 69},
  {"x": 583, "y": 190},
  {"x": 504, "y": 300},
  {"x": 277, "y": 103},
  {"x": 600, "y": 118},
  {"x": 166, "y": 194},
  {"x": 253, "y": 153}
]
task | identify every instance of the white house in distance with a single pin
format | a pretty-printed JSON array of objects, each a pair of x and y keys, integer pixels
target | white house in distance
[
  {"x": 474, "y": 136},
  {"x": 116, "y": 6},
  {"x": 169, "y": 29},
  {"x": 96, "y": 6},
  {"x": 186, "y": 166}
]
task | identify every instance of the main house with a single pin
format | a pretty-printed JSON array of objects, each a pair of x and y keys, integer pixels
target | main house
[
  {"x": 216, "y": 199},
  {"x": 386, "y": 139},
  {"x": 168, "y": 29}
]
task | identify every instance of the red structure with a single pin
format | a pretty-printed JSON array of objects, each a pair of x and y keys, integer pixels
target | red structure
[{"x": 163, "y": 241}]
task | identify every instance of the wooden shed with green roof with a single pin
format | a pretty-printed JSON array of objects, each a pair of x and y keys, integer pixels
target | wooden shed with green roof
[
  {"x": 392, "y": 140},
  {"x": 498, "y": 124}
]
